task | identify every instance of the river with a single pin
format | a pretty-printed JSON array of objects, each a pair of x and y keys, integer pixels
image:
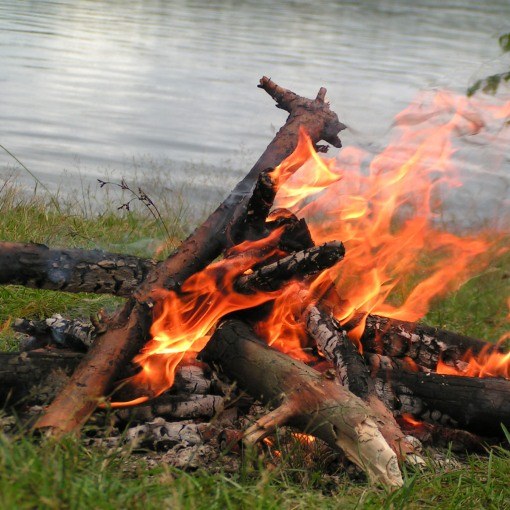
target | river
[{"x": 91, "y": 87}]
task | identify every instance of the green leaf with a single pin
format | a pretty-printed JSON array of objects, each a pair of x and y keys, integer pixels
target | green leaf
[{"x": 504, "y": 42}]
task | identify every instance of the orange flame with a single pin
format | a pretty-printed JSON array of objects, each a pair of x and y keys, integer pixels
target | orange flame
[
  {"x": 383, "y": 208},
  {"x": 185, "y": 321},
  {"x": 410, "y": 420},
  {"x": 484, "y": 364}
]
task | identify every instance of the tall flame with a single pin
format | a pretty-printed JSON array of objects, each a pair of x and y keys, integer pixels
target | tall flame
[{"x": 383, "y": 208}]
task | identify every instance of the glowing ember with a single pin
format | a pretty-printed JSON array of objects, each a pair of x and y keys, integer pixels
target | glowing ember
[
  {"x": 410, "y": 420},
  {"x": 383, "y": 208}
]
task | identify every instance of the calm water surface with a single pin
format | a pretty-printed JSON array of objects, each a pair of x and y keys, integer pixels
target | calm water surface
[{"x": 88, "y": 85}]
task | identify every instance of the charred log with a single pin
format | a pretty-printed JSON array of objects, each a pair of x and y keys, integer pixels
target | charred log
[
  {"x": 34, "y": 377},
  {"x": 100, "y": 272},
  {"x": 74, "y": 334},
  {"x": 301, "y": 264},
  {"x": 478, "y": 405},
  {"x": 353, "y": 372},
  {"x": 302, "y": 398},
  {"x": 421, "y": 343}
]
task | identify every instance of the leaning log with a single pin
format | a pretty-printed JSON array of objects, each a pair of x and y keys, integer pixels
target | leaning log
[
  {"x": 128, "y": 331},
  {"x": 71, "y": 270},
  {"x": 302, "y": 398}
]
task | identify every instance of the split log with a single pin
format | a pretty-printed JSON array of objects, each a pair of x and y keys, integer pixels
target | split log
[
  {"x": 128, "y": 331},
  {"x": 300, "y": 264},
  {"x": 97, "y": 271},
  {"x": 421, "y": 343},
  {"x": 354, "y": 374},
  {"x": 478, "y": 405},
  {"x": 303, "y": 398}
]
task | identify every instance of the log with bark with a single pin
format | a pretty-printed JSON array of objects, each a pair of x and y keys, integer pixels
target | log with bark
[
  {"x": 128, "y": 330},
  {"x": 302, "y": 398}
]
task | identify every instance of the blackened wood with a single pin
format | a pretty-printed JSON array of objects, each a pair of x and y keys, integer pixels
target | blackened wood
[
  {"x": 302, "y": 398},
  {"x": 297, "y": 265},
  {"x": 259, "y": 206},
  {"x": 34, "y": 376},
  {"x": 478, "y": 405},
  {"x": 335, "y": 345},
  {"x": 128, "y": 331},
  {"x": 296, "y": 235},
  {"x": 75, "y": 334},
  {"x": 424, "y": 344},
  {"x": 97, "y": 271}
]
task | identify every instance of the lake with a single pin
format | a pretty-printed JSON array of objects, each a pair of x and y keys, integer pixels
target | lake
[{"x": 92, "y": 87}]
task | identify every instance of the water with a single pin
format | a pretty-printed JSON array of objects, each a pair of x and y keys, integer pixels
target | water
[{"x": 87, "y": 86}]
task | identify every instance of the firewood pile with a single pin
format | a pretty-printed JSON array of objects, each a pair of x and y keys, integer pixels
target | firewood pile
[{"x": 367, "y": 399}]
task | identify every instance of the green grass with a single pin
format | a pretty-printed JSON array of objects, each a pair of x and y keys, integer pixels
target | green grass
[
  {"x": 37, "y": 473},
  {"x": 69, "y": 475}
]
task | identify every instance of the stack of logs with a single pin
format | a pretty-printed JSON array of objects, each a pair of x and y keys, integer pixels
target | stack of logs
[{"x": 356, "y": 403}]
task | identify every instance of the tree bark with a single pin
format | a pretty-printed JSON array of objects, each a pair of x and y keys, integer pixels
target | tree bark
[
  {"x": 302, "y": 398},
  {"x": 129, "y": 329}
]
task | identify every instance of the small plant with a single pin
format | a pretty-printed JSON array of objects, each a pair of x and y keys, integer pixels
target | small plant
[{"x": 142, "y": 197}]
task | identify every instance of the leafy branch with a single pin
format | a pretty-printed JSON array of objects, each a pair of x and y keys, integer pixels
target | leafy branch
[{"x": 491, "y": 83}]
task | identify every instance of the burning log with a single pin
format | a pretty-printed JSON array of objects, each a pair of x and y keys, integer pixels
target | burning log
[
  {"x": 423, "y": 344},
  {"x": 97, "y": 271},
  {"x": 128, "y": 331},
  {"x": 304, "y": 263},
  {"x": 302, "y": 398}
]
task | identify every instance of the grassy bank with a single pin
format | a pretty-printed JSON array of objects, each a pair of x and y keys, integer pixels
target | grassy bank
[{"x": 40, "y": 474}]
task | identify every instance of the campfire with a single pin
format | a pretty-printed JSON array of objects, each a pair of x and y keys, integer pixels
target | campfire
[{"x": 303, "y": 288}]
